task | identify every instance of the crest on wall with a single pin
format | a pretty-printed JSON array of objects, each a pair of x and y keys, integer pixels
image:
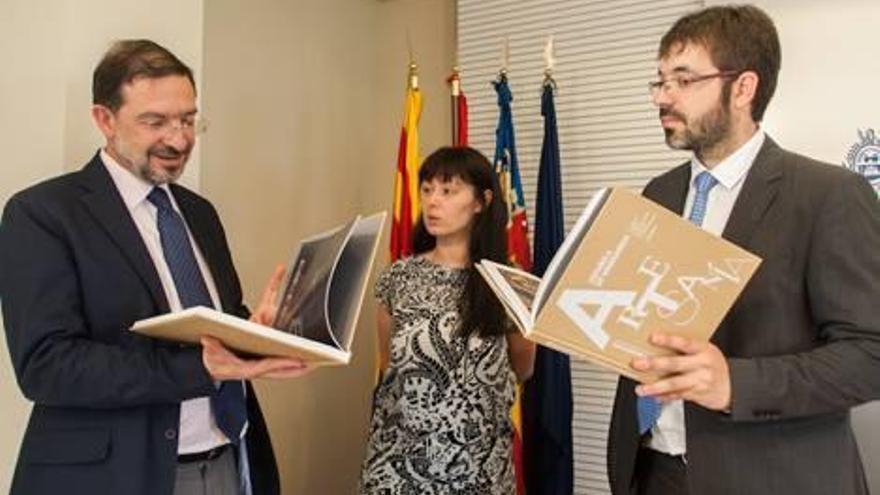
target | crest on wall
[{"x": 864, "y": 157}]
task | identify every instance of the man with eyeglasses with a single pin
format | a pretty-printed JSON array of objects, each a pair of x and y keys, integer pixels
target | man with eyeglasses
[
  {"x": 764, "y": 407},
  {"x": 82, "y": 257}
]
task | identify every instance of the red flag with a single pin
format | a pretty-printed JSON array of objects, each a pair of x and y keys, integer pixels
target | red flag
[{"x": 459, "y": 110}]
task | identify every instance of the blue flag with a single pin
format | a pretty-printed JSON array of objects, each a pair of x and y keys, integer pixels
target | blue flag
[{"x": 547, "y": 408}]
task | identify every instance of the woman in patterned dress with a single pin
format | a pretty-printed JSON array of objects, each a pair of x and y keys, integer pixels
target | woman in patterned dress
[{"x": 448, "y": 353}]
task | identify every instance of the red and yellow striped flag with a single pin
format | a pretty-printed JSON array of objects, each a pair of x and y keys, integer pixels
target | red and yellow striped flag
[{"x": 406, "y": 181}]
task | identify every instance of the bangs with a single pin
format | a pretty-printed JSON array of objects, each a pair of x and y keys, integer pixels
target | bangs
[
  {"x": 443, "y": 170},
  {"x": 466, "y": 164}
]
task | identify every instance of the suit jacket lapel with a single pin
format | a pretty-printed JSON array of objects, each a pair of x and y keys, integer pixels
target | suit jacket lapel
[
  {"x": 758, "y": 192},
  {"x": 673, "y": 192},
  {"x": 105, "y": 204}
]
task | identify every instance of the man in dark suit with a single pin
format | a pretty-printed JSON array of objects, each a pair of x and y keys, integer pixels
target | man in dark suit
[
  {"x": 85, "y": 255},
  {"x": 764, "y": 407}
]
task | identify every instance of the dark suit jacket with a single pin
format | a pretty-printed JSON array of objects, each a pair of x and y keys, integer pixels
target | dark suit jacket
[
  {"x": 802, "y": 341},
  {"x": 74, "y": 275}
]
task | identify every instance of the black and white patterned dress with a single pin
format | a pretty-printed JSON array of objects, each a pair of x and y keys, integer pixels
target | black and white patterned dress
[{"x": 441, "y": 416}]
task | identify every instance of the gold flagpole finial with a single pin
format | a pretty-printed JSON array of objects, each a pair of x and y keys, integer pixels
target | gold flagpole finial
[{"x": 413, "y": 77}]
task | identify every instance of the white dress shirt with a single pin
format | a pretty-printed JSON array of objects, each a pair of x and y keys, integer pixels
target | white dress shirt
[
  {"x": 198, "y": 431},
  {"x": 668, "y": 434}
]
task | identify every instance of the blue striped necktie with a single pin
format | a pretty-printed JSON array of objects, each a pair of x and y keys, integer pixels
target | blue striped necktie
[
  {"x": 648, "y": 408},
  {"x": 228, "y": 403}
]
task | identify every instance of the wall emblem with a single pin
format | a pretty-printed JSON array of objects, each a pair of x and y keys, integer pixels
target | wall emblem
[{"x": 864, "y": 158}]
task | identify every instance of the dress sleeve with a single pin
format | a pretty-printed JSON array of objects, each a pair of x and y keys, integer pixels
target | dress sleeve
[{"x": 384, "y": 288}]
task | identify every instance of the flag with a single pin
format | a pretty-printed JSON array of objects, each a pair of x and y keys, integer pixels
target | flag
[
  {"x": 459, "y": 110},
  {"x": 406, "y": 181},
  {"x": 507, "y": 168},
  {"x": 547, "y": 408}
]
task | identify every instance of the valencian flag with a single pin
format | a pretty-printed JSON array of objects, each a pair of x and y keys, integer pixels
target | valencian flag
[
  {"x": 406, "y": 181},
  {"x": 459, "y": 110},
  {"x": 547, "y": 408},
  {"x": 507, "y": 168}
]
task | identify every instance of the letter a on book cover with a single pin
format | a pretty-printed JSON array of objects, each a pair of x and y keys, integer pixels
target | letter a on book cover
[{"x": 628, "y": 267}]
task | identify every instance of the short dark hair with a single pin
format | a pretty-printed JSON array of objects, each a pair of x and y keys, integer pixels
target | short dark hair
[
  {"x": 738, "y": 38},
  {"x": 127, "y": 60},
  {"x": 481, "y": 313}
]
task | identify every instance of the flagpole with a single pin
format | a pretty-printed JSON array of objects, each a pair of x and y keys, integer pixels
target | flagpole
[{"x": 455, "y": 85}]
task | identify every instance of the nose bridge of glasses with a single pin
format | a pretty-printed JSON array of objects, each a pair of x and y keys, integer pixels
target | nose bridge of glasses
[
  {"x": 670, "y": 84},
  {"x": 172, "y": 128},
  {"x": 185, "y": 124},
  {"x": 665, "y": 86}
]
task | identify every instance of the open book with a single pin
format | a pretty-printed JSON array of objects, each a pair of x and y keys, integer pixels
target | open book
[
  {"x": 628, "y": 267},
  {"x": 318, "y": 304}
]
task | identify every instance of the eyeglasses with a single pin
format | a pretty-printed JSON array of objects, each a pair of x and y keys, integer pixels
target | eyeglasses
[
  {"x": 682, "y": 82},
  {"x": 167, "y": 126}
]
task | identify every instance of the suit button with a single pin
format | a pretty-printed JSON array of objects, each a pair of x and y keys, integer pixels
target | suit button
[{"x": 170, "y": 434}]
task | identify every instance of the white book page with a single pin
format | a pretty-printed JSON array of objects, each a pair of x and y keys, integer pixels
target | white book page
[{"x": 515, "y": 288}]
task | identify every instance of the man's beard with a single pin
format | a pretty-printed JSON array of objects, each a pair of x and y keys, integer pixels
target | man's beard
[
  {"x": 140, "y": 165},
  {"x": 158, "y": 176},
  {"x": 706, "y": 132}
]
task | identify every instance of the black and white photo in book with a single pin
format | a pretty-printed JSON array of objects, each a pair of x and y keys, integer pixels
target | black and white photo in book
[{"x": 318, "y": 307}]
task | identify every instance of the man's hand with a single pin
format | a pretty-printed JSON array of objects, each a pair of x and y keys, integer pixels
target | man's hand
[
  {"x": 699, "y": 374},
  {"x": 265, "y": 312},
  {"x": 224, "y": 365}
]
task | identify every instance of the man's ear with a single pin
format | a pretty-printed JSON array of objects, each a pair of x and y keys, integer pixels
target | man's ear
[
  {"x": 744, "y": 89},
  {"x": 105, "y": 120}
]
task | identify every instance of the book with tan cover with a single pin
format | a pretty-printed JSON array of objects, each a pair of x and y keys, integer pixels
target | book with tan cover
[
  {"x": 318, "y": 304},
  {"x": 628, "y": 267}
]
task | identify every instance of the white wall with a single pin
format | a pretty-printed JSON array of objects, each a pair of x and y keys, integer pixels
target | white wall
[
  {"x": 828, "y": 82},
  {"x": 49, "y": 49}
]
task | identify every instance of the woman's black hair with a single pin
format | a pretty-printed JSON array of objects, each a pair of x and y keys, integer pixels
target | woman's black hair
[{"x": 479, "y": 308}]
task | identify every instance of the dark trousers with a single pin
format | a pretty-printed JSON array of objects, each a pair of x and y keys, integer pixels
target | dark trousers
[{"x": 660, "y": 474}]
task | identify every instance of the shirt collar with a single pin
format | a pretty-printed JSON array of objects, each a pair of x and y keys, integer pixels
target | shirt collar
[
  {"x": 133, "y": 189},
  {"x": 732, "y": 169}
]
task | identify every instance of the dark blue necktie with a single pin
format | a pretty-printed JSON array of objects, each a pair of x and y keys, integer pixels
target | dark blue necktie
[
  {"x": 648, "y": 408},
  {"x": 228, "y": 403}
]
